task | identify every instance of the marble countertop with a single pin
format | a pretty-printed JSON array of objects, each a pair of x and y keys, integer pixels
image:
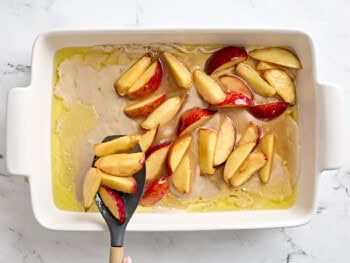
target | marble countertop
[{"x": 325, "y": 239}]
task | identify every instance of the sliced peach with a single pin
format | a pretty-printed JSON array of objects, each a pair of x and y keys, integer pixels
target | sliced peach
[
  {"x": 268, "y": 111},
  {"x": 225, "y": 141},
  {"x": 145, "y": 107},
  {"x": 129, "y": 77},
  {"x": 233, "y": 100},
  {"x": 164, "y": 113},
  {"x": 225, "y": 58},
  {"x": 114, "y": 202},
  {"x": 91, "y": 184},
  {"x": 120, "y": 183},
  {"x": 277, "y": 56},
  {"x": 121, "y": 164},
  {"x": 155, "y": 191},
  {"x": 155, "y": 161},
  {"x": 234, "y": 83},
  {"x": 118, "y": 145},
  {"x": 208, "y": 88},
  {"x": 148, "y": 138},
  {"x": 250, "y": 166},
  {"x": 250, "y": 134},
  {"x": 177, "y": 151},
  {"x": 257, "y": 83},
  {"x": 267, "y": 145},
  {"x": 192, "y": 119},
  {"x": 236, "y": 158},
  {"x": 181, "y": 178},
  {"x": 250, "y": 62},
  {"x": 178, "y": 70},
  {"x": 148, "y": 82},
  {"x": 262, "y": 66},
  {"x": 282, "y": 83},
  {"x": 206, "y": 149}
]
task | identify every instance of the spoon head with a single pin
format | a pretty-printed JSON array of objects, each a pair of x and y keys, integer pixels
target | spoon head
[{"x": 116, "y": 229}]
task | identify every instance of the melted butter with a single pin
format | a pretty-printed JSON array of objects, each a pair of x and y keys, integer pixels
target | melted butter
[
  {"x": 84, "y": 110},
  {"x": 69, "y": 131},
  {"x": 84, "y": 77}
]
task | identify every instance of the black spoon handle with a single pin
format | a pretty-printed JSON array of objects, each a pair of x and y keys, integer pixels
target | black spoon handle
[{"x": 116, "y": 255}]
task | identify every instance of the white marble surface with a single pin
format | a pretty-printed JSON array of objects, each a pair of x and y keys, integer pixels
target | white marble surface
[{"x": 325, "y": 239}]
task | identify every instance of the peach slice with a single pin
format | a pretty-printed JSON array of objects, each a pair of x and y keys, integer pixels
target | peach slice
[
  {"x": 177, "y": 151},
  {"x": 234, "y": 99},
  {"x": 236, "y": 158},
  {"x": 251, "y": 165},
  {"x": 164, "y": 113},
  {"x": 121, "y": 164},
  {"x": 148, "y": 82},
  {"x": 267, "y": 146},
  {"x": 91, "y": 184},
  {"x": 155, "y": 191},
  {"x": 262, "y": 66},
  {"x": 192, "y": 119},
  {"x": 148, "y": 138},
  {"x": 178, "y": 70},
  {"x": 225, "y": 58},
  {"x": 181, "y": 178},
  {"x": 251, "y": 134},
  {"x": 129, "y": 77},
  {"x": 257, "y": 83},
  {"x": 282, "y": 83},
  {"x": 225, "y": 141},
  {"x": 234, "y": 83},
  {"x": 114, "y": 202},
  {"x": 277, "y": 56},
  {"x": 251, "y": 63},
  {"x": 208, "y": 88},
  {"x": 122, "y": 184},
  {"x": 206, "y": 149},
  {"x": 145, "y": 107},
  {"x": 118, "y": 145},
  {"x": 155, "y": 160},
  {"x": 268, "y": 111}
]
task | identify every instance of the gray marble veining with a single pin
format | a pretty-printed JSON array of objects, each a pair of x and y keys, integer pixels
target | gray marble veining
[{"x": 325, "y": 239}]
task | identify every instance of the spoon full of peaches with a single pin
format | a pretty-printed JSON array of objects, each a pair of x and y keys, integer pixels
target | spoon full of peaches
[{"x": 116, "y": 183}]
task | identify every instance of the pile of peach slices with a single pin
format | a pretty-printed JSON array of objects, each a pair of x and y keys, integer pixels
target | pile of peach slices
[
  {"x": 260, "y": 81},
  {"x": 113, "y": 172}
]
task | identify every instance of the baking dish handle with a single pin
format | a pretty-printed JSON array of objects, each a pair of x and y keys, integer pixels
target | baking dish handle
[
  {"x": 332, "y": 130},
  {"x": 18, "y": 152}
]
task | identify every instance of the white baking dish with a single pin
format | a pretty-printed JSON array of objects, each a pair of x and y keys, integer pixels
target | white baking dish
[{"x": 29, "y": 127}]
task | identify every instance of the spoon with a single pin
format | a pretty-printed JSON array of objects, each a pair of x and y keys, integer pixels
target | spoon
[{"x": 116, "y": 229}]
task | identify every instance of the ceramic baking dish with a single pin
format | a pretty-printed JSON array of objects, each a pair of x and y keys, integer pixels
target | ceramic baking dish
[{"x": 29, "y": 128}]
